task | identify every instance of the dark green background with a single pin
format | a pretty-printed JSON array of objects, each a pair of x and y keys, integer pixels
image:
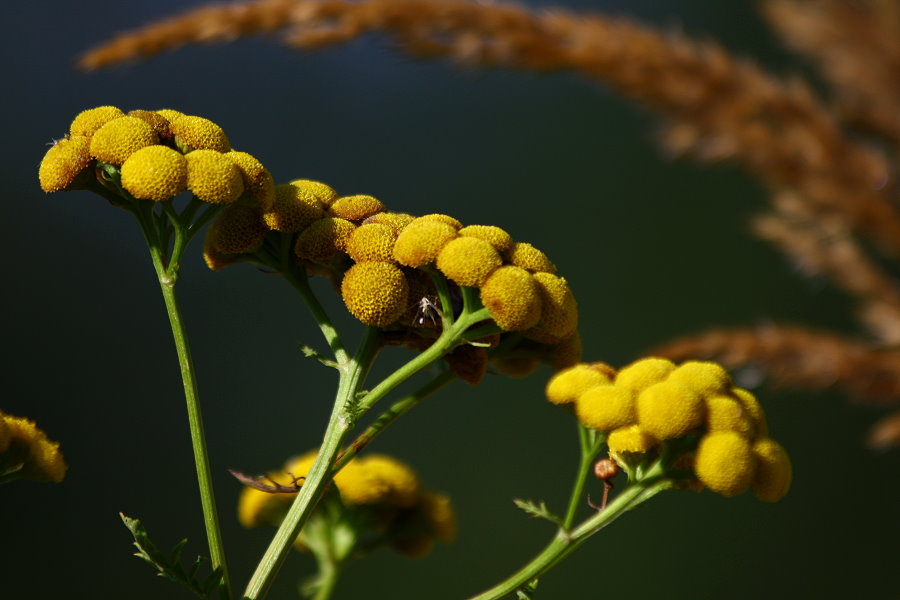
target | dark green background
[{"x": 653, "y": 249}]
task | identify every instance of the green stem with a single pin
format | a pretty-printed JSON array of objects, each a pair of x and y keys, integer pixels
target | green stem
[
  {"x": 195, "y": 421},
  {"x": 590, "y": 446},
  {"x": 329, "y": 573},
  {"x": 353, "y": 374},
  {"x": 401, "y": 407},
  {"x": 566, "y": 541}
]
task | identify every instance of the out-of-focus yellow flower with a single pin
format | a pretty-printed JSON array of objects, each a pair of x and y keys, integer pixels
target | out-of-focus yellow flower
[
  {"x": 753, "y": 410},
  {"x": 605, "y": 407},
  {"x": 155, "y": 173},
  {"x": 773, "y": 475},
  {"x": 377, "y": 479},
  {"x": 630, "y": 439},
  {"x": 643, "y": 373},
  {"x": 725, "y": 413},
  {"x": 28, "y": 451},
  {"x": 566, "y": 386},
  {"x": 668, "y": 410},
  {"x": 724, "y": 462},
  {"x": 703, "y": 377}
]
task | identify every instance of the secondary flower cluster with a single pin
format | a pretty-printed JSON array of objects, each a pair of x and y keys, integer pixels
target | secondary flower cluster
[
  {"x": 653, "y": 401},
  {"x": 159, "y": 153},
  {"x": 376, "y": 496},
  {"x": 26, "y": 453}
]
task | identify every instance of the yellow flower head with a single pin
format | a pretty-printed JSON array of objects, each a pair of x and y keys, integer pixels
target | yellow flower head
[
  {"x": 120, "y": 138},
  {"x": 701, "y": 376},
  {"x": 89, "y": 121},
  {"x": 523, "y": 254},
  {"x": 322, "y": 191},
  {"x": 630, "y": 439},
  {"x": 169, "y": 114},
  {"x": 439, "y": 512},
  {"x": 511, "y": 296},
  {"x": 212, "y": 177},
  {"x": 420, "y": 241},
  {"x": 725, "y": 413},
  {"x": 468, "y": 261},
  {"x": 724, "y": 462},
  {"x": 566, "y": 386},
  {"x": 64, "y": 161},
  {"x": 197, "y": 133},
  {"x": 43, "y": 460},
  {"x": 496, "y": 237},
  {"x": 446, "y": 219},
  {"x": 643, "y": 373},
  {"x": 356, "y": 208},
  {"x": 396, "y": 220},
  {"x": 237, "y": 229},
  {"x": 372, "y": 242},
  {"x": 753, "y": 410},
  {"x": 257, "y": 178},
  {"x": 155, "y": 173},
  {"x": 605, "y": 407},
  {"x": 559, "y": 311},
  {"x": 669, "y": 410},
  {"x": 324, "y": 238},
  {"x": 773, "y": 470},
  {"x": 375, "y": 292},
  {"x": 377, "y": 479},
  {"x": 294, "y": 208},
  {"x": 215, "y": 259},
  {"x": 159, "y": 123}
]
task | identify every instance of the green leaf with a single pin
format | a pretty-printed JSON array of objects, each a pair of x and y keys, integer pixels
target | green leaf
[
  {"x": 170, "y": 567},
  {"x": 310, "y": 352},
  {"x": 539, "y": 511}
]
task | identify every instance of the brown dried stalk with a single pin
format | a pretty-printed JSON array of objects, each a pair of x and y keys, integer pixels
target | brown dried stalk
[
  {"x": 719, "y": 107},
  {"x": 799, "y": 357},
  {"x": 854, "y": 45}
]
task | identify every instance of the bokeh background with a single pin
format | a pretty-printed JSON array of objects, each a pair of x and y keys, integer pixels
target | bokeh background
[{"x": 653, "y": 248}]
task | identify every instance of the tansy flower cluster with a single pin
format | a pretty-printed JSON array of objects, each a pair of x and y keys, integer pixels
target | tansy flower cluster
[
  {"x": 653, "y": 402},
  {"x": 383, "y": 261},
  {"x": 158, "y": 154},
  {"x": 375, "y": 496},
  {"x": 26, "y": 453}
]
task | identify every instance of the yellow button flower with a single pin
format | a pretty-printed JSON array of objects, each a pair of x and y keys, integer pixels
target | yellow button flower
[
  {"x": 156, "y": 121},
  {"x": 420, "y": 242},
  {"x": 559, "y": 311},
  {"x": 396, "y": 220},
  {"x": 566, "y": 386},
  {"x": 630, "y": 439},
  {"x": 643, "y": 373},
  {"x": 324, "y": 238},
  {"x": 468, "y": 261},
  {"x": 355, "y": 208},
  {"x": 377, "y": 479},
  {"x": 238, "y": 229},
  {"x": 372, "y": 242},
  {"x": 155, "y": 173},
  {"x": 511, "y": 296},
  {"x": 40, "y": 458},
  {"x": 375, "y": 292},
  {"x": 773, "y": 470},
  {"x": 724, "y": 463},
  {"x": 64, "y": 161},
  {"x": 754, "y": 410},
  {"x": 725, "y": 413},
  {"x": 703, "y": 377},
  {"x": 212, "y": 177},
  {"x": 294, "y": 208},
  {"x": 257, "y": 178},
  {"x": 605, "y": 407},
  {"x": 496, "y": 237},
  {"x": 446, "y": 219},
  {"x": 669, "y": 410},
  {"x": 523, "y": 254},
  {"x": 197, "y": 133},
  {"x": 323, "y": 192},
  {"x": 120, "y": 138},
  {"x": 89, "y": 121}
]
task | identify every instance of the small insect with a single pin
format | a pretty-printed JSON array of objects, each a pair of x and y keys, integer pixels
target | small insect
[{"x": 428, "y": 311}]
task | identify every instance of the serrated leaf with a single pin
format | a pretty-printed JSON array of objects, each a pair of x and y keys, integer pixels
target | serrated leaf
[
  {"x": 310, "y": 352},
  {"x": 539, "y": 511}
]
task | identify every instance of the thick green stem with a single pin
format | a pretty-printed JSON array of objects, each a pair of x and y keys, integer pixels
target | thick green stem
[
  {"x": 566, "y": 542},
  {"x": 195, "y": 421},
  {"x": 590, "y": 445},
  {"x": 401, "y": 407},
  {"x": 353, "y": 374}
]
